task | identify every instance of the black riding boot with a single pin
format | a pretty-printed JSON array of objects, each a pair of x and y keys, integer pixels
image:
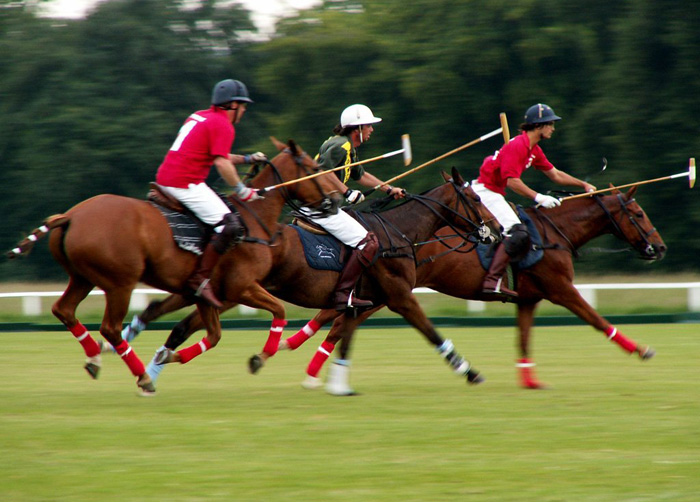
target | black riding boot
[
  {"x": 494, "y": 278},
  {"x": 358, "y": 260},
  {"x": 199, "y": 281}
]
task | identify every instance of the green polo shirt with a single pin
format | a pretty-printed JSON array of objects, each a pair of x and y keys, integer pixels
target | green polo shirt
[{"x": 338, "y": 151}]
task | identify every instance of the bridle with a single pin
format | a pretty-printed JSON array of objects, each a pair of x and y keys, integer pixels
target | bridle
[
  {"x": 648, "y": 246},
  {"x": 478, "y": 229}
]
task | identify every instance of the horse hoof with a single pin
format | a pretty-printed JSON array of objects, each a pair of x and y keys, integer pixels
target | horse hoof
[
  {"x": 93, "y": 369},
  {"x": 163, "y": 356},
  {"x": 255, "y": 363},
  {"x": 535, "y": 386},
  {"x": 646, "y": 353},
  {"x": 312, "y": 383},
  {"x": 146, "y": 387},
  {"x": 474, "y": 377}
]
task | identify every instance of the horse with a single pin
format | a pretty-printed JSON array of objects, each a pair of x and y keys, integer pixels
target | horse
[
  {"x": 389, "y": 281},
  {"x": 448, "y": 266},
  {"x": 114, "y": 242}
]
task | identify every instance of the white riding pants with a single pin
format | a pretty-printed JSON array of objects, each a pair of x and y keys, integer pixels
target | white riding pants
[
  {"x": 202, "y": 201},
  {"x": 498, "y": 206},
  {"x": 343, "y": 227}
]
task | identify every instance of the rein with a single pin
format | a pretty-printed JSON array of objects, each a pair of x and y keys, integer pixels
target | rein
[
  {"x": 617, "y": 230},
  {"x": 387, "y": 226}
]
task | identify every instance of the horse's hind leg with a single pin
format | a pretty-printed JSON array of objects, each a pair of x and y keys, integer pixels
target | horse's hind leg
[
  {"x": 410, "y": 309},
  {"x": 64, "y": 310},
  {"x": 117, "y": 305}
]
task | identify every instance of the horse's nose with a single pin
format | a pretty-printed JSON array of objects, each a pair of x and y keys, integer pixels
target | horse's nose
[{"x": 660, "y": 251}]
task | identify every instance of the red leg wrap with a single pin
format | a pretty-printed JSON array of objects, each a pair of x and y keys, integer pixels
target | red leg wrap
[
  {"x": 320, "y": 357},
  {"x": 273, "y": 341},
  {"x": 296, "y": 340},
  {"x": 189, "y": 353},
  {"x": 624, "y": 342},
  {"x": 130, "y": 358},
  {"x": 527, "y": 374},
  {"x": 89, "y": 344}
]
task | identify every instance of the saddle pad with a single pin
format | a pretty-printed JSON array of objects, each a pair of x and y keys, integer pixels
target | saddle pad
[
  {"x": 533, "y": 256},
  {"x": 189, "y": 233},
  {"x": 322, "y": 252}
]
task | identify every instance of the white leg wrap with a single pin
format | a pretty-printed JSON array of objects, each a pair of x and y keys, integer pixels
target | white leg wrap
[{"x": 338, "y": 382}]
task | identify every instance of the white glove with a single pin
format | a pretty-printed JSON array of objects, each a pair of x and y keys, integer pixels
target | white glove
[
  {"x": 547, "y": 201},
  {"x": 246, "y": 194},
  {"x": 354, "y": 196},
  {"x": 254, "y": 158}
]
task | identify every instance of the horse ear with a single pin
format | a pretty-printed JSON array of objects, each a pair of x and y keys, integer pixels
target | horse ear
[
  {"x": 445, "y": 176},
  {"x": 278, "y": 144},
  {"x": 293, "y": 147},
  {"x": 631, "y": 192},
  {"x": 615, "y": 191},
  {"x": 457, "y": 177}
]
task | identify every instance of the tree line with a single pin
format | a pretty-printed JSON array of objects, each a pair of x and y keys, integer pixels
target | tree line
[{"x": 90, "y": 106}]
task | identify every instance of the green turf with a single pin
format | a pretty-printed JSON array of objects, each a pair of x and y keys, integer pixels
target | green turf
[{"x": 612, "y": 428}]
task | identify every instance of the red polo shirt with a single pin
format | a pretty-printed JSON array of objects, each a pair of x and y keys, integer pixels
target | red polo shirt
[
  {"x": 510, "y": 162},
  {"x": 205, "y": 135}
]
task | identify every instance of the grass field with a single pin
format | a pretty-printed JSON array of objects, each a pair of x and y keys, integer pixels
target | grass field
[{"x": 612, "y": 428}]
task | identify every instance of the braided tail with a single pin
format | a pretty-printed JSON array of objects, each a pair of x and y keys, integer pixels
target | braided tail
[{"x": 27, "y": 244}]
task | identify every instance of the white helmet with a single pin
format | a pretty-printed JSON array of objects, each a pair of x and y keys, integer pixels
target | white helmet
[{"x": 357, "y": 115}]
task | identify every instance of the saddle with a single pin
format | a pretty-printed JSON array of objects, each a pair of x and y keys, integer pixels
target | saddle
[
  {"x": 158, "y": 196},
  {"x": 189, "y": 232},
  {"x": 309, "y": 225}
]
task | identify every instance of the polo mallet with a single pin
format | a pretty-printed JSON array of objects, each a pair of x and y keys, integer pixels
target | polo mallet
[
  {"x": 436, "y": 159},
  {"x": 504, "y": 126},
  {"x": 405, "y": 150},
  {"x": 690, "y": 173}
]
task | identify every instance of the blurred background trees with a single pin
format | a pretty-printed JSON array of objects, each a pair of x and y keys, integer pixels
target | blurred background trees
[{"x": 91, "y": 106}]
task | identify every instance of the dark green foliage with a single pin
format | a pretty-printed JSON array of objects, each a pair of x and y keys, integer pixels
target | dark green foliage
[{"x": 91, "y": 106}]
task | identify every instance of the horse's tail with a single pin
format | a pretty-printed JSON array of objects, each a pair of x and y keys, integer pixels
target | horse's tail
[{"x": 27, "y": 244}]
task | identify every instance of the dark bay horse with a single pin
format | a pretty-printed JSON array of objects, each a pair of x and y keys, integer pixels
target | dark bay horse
[
  {"x": 564, "y": 230},
  {"x": 114, "y": 242},
  {"x": 389, "y": 281}
]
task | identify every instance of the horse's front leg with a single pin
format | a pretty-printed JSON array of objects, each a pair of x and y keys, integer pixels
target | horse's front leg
[
  {"x": 571, "y": 299},
  {"x": 409, "y": 308},
  {"x": 210, "y": 318},
  {"x": 525, "y": 364},
  {"x": 155, "y": 310}
]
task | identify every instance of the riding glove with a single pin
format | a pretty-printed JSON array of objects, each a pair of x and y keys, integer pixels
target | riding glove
[
  {"x": 547, "y": 201},
  {"x": 354, "y": 196}
]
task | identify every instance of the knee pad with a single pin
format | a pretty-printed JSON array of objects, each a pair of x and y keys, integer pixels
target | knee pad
[
  {"x": 232, "y": 233},
  {"x": 368, "y": 253},
  {"x": 518, "y": 242}
]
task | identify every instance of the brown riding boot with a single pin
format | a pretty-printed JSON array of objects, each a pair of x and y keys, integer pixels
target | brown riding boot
[
  {"x": 494, "y": 278},
  {"x": 357, "y": 261},
  {"x": 199, "y": 281}
]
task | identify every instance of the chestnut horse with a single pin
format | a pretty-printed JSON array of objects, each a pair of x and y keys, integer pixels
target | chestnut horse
[
  {"x": 446, "y": 267},
  {"x": 389, "y": 281},
  {"x": 114, "y": 242}
]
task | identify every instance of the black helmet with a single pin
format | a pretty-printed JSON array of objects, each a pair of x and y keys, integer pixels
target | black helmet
[
  {"x": 540, "y": 113},
  {"x": 229, "y": 90}
]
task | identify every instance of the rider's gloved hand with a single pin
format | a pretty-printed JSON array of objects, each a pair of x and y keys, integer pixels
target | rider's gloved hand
[
  {"x": 547, "y": 201},
  {"x": 354, "y": 196},
  {"x": 245, "y": 193},
  {"x": 254, "y": 158}
]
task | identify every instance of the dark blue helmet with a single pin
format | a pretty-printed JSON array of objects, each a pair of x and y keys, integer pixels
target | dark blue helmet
[
  {"x": 539, "y": 114},
  {"x": 229, "y": 90}
]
